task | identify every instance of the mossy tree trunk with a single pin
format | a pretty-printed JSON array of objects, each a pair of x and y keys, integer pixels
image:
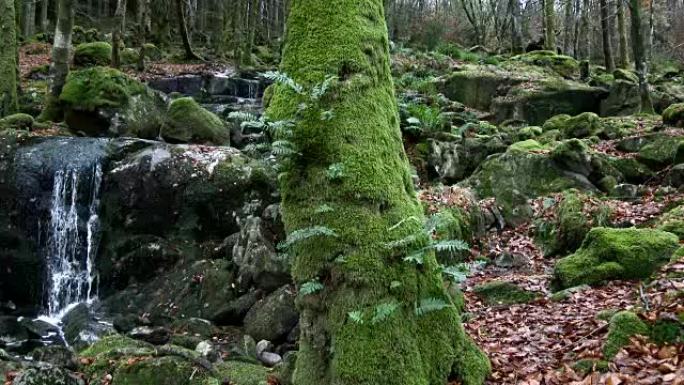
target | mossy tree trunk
[
  {"x": 550, "y": 25},
  {"x": 568, "y": 24},
  {"x": 8, "y": 58},
  {"x": 623, "y": 55},
  {"x": 352, "y": 177},
  {"x": 585, "y": 28},
  {"x": 606, "y": 34},
  {"x": 636, "y": 8}
]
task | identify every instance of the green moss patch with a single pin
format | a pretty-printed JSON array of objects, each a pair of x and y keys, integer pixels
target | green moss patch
[
  {"x": 503, "y": 293},
  {"x": 674, "y": 115},
  {"x": 672, "y": 221},
  {"x": 623, "y": 326},
  {"x": 17, "y": 122},
  {"x": 190, "y": 123},
  {"x": 97, "y": 87},
  {"x": 98, "y": 53},
  {"x": 616, "y": 254}
]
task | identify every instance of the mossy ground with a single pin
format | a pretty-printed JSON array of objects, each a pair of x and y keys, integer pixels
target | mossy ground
[
  {"x": 92, "y": 54},
  {"x": 623, "y": 326}
]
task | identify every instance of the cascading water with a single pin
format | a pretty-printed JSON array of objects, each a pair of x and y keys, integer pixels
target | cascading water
[
  {"x": 70, "y": 251},
  {"x": 61, "y": 179}
]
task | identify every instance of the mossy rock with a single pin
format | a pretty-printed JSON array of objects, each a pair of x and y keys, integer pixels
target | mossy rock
[
  {"x": 101, "y": 101},
  {"x": 672, "y": 221},
  {"x": 569, "y": 229},
  {"x": 503, "y": 293},
  {"x": 159, "y": 370},
  {"x": 188, "y": 122},
  {"x": 244, "y": 373},
  {"x": 516, "y": 176},
  {"x": 667, "y": 331},
  {"x": 660, "y": 151},
  {"x": 129, "y": 56},
  {"x": 556, "y": 122},
  {"x": 153, "y": 52},
  {"x": 529, "y": 132},
  {"x": 608, "y": 254},
  {"x": 626, "y": 75},
  {"x": 623, "y": 326},
  {"x": 529, "y": 145},
  {"x": 674, "y": 115},
  {"x": 582, "y": 126},
  {"x": 98, "y": 53},
  {"x": 573, "y": 155},
  {"x": 17, "y": 122},
  {"x": 564, "y": 66},
  {"x": 564, "y": 294},
  {"x": 112, "y": 343}
]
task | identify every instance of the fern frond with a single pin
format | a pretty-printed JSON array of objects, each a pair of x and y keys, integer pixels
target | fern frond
[
  {"x": 324, "y": 208},
  {"x": 311, "y": 287},
  {"x": 416, "y": 257},
  {"x": 306, "y": 233},
  {"x": 383, "y": 311},
  {"x": 282, "y": 78},
  {"x": 356, "y": 316},
  {"x": 283, "y": 148},
  {"x": 451, "y": 246},
  {"x": 455, "y": 274},
  {"x": 242, "y": 116},
  {"x": 429, "y": 305}
]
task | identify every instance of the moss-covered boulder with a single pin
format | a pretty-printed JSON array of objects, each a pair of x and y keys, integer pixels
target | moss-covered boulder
[
  {"x": 674, "y": 115},
  {"x": 188, "y": 122},
  {"x": 98, "y": 53},
  {"x": 46, "y": 376},
  {"x": 623, "y": 326},
  {"x": 564, "y": 66},
  {"x": 582, "y": 126},
  {"x": 17, "y": 122},
  {"x": 626, "y": 75},
  {"x": 517, "y": 175},
  {"x": 573, "y": 155},
  {"x": 615, "y": 254},
  {"x": 567, "y": 231},
  {"x": 672, "y": 221},
  {"x": 244, "y": 373},
  {"x": 503, "y": 293},
  {"x": 102, "y": 101},
  {"x": 659, "y": 150}
]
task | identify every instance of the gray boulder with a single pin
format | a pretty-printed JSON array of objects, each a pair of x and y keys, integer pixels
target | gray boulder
[{"x": 273, "y": 317}]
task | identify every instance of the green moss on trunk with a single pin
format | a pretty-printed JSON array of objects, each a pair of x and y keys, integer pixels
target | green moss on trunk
[
  {"x": 367, "y": 196},
  {"x": 8, "y": 59}
]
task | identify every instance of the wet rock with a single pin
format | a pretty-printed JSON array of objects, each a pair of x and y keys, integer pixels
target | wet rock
[
  {"x": 675, "y": 177},
  {"x": 626, "y": 191},
  {"x": 154, "y": 335},
  {"x": 47, "y": 375},
  {"x": 273, "y": 317},
  {"x": 82, "y": 327},
  {"x": 258, "y": 261},
  {"x": 12, "y": 331},
  {"x": 233, "y": 313},
  {"x": 59, "y": 356}
]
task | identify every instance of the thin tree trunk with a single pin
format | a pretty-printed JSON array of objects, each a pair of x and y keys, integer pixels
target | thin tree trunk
[
  {"x": 586, "y": 31},
  {"x": 567, "y": 34},
  {"x": 623, "y": 55},
  {"x": 8, "y": 58},
  {"x": 182, "y": 25},
  {"x": 550, "y": 25},
  {"x": 606, "y": 34},
  {"x": 44, "y": 7},
  {"x": 143, "y": 12},
  {"x": 516, "y": 28},
  {"x": 28, "y": 19},
  {"x": 364, "y": 326},
  {"x": 638, "y": 46},
  {"x": 119, "y": 29}
]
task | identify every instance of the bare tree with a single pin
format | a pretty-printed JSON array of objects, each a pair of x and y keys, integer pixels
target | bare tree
[{"x": 606, "y": 33}]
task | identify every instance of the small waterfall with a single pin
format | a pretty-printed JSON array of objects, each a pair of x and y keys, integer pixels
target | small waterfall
[
  {"x": 71, "y": 249},
  {"x": 253, "y": 89},
  {"x": 62, "y": 179}
]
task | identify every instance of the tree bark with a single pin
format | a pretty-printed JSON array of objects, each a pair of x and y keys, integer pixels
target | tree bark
[
  {"x": 62, "y": 46},
  {"x": 143, "y": 15},
  {"x": 569, "y": 25},
  {"x": 639, "y": 49},
  {"x": 585, "y": 43},
  {"x": 8, "y": 58},
  {"x": 28, "y": 19},
  {"x": 44, "y": 8},
  {"x": 119, "y": 30},
  {"x": 550, "y": 25},
  {"x": 623, "y": 55},
  {"x": 516, "y": 28},
  {"x": 606, "y": 33},
  {"x": 183, "y": 26},
  {"x": 371, "y": 188}
]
